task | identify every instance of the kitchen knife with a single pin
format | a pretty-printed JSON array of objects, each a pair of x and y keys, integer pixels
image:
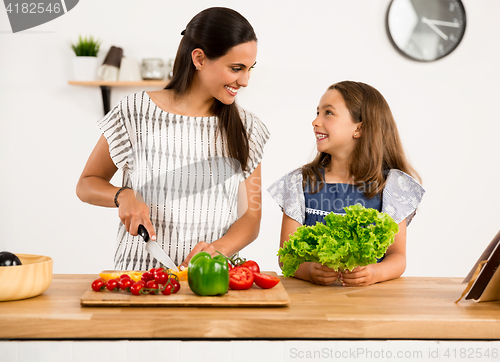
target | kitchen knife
[{"x": 154, "y": 249}]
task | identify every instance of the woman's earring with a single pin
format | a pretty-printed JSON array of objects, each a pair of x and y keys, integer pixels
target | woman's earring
[
  {"x": 197, "y": 68},
  {"x": 355, "y": 135}
]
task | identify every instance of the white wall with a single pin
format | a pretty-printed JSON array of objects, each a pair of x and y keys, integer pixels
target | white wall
[{"x": 445, "y": 111}]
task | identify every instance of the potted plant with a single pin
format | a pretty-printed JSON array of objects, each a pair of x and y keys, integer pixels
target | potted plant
[{"x": 85, "y": 62}]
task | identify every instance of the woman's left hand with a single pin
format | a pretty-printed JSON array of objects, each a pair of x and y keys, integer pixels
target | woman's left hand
[
  {"x": 359, "y": 276},
  {"x": 201, "y": 246}
]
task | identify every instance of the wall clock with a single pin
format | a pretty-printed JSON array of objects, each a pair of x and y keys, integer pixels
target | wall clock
[{"x": 425, "y": 30}]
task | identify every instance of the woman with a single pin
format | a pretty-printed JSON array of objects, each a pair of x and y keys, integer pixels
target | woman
[{"x": 186, "y": 151}]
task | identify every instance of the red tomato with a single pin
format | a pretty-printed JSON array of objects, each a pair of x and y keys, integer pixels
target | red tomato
[
  {"x": 98, "y": 285},
  {"x": 136, "y": 288},
  {"x": 176, "y": 285},
  {"x": 161, "y": 277},
  {"x": 156, "y": 270},
  {"x": 168, "y": 289},
  {"x": 152, "y": 284},
  {"x": 112, "y": 284},
  {"x": 265, "y": 281},
  {"x": 171, "y": 287},
  {"x": 125, "y": 283},
  {"x": 147, "y": 276},
  {"x": 252, "y": 265},
  {"x": 240, "y": 278},
  {"x": 125, "y": 276}
]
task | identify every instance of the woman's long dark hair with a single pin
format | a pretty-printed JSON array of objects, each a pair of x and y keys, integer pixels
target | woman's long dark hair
[{"x": 215, "y": 31}]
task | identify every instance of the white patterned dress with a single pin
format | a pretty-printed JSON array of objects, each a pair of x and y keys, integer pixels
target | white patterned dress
[{"x": 175, "y": 163}]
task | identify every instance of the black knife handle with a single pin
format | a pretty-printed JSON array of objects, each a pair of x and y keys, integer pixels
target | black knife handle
[{"x": 143, "y": 232}]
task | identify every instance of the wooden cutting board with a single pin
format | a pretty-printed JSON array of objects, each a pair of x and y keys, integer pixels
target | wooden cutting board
[{"x": 253, "y": 297}]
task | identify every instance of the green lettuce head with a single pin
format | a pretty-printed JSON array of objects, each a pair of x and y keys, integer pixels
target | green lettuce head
[{"x": 358, "y": 238}]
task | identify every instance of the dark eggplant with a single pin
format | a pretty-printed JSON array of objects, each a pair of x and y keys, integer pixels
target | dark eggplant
[{"x": 9, "y": 259}]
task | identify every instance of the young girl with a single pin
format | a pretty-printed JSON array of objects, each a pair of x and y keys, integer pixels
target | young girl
[
  {"x": 360, "y": 160},
  {"x": 186, "y": 151}
]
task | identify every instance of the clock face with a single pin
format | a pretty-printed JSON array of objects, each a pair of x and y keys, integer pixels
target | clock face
[{"x": 426, "y": 30}]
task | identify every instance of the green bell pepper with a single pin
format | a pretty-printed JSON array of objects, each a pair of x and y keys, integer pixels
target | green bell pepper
[{"x": 207, "y": 275}]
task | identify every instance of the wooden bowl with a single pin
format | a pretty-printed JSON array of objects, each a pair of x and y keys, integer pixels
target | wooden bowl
[{"x": 28, "y": 280}]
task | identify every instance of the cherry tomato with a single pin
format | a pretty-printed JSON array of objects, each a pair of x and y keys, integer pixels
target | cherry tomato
[
  {"x": 125, "y": 283},
  {"x": 265, "y": 281},
  {"x": 240, "y": 278},
  {"x": 176, "y": 285},
  {"x": 156, "y": 270},
  {"x": 135, "y": 289},
  {"x": 98, "y": 285},
  {"x": 252, "y": 265},
  {"x": 152, "y": 284},
  {"x": 161, "y": 277},
  {"x": 168, "y": 289},
  {"x": 147, "y": 276},
  {"x": 112, "y": 284},
  {"x": 125, "y": 276},
  {"x": 172, "y": 287}
]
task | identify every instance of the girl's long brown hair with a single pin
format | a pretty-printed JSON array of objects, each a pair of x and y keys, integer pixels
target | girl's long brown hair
[
  {"x": 379, "y": 148},
  {"x": 215, "y": 31}
]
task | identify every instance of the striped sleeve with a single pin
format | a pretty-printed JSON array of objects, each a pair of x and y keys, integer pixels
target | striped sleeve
[
  {"x": 114, "y": 129},
  {"x": 258, "y": 135}
]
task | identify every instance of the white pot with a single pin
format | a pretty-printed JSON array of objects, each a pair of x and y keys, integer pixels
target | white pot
[
  {"x": 129, "y": 70},
  {"x": 84, "y": 68}
]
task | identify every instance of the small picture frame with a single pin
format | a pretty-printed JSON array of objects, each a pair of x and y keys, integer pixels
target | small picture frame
[{"x": 483, "y": 280}]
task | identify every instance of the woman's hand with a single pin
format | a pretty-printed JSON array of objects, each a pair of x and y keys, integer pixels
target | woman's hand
[
  {"x": 201, "y": 246},
  {"x": 321, "y": 274},
  {"x": 134, "y": 212},
  {"x": 360, "y": 276}
]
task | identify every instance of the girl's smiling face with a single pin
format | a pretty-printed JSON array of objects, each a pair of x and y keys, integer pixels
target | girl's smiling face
[
  {"x": 335, "y": 131},
  {"x": 223, "y": 77}
]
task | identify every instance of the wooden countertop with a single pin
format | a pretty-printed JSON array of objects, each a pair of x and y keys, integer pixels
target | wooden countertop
[{"x": 405, "y": 308}]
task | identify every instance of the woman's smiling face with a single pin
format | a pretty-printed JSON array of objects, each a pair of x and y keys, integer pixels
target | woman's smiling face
[
  {"x": 223, "y": 77},
  {"x": 335, "y": 131}
]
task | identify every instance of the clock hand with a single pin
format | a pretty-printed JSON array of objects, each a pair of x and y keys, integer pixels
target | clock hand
[
  {"x": 443, "y": 23},
  {"x": 435, "y": 28}
]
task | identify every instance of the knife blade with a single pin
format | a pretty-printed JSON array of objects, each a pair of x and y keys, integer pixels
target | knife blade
[{"x": 154, "y": 249}]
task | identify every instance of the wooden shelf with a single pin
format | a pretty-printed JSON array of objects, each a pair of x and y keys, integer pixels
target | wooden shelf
[
  {"x": 100, "y": 83},
  {"x": 106, "y": 87}
]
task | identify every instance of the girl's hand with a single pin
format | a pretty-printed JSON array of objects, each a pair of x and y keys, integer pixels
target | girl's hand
[
  {"x": 359, "y": 276},
  {"x": 134, "y": 212},
  {"x": 321, "y": 274},
  {"x": 201, "y": 246}
]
